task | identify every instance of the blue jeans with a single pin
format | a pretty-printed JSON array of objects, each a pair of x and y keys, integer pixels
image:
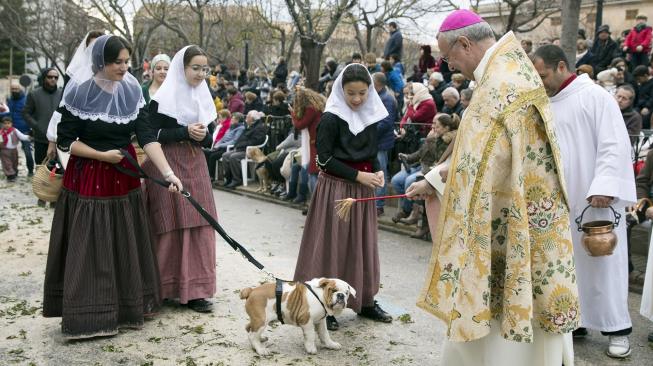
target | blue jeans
[
  {"x": 401, "y": 181},
  {"x": 382, "y": 155},
  {"x": 29, "y": 159},
  {"x": 312, "y": 181}
]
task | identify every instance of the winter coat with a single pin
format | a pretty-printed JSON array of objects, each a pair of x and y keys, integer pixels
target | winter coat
[
  {"x": 394, "y": 45},
  {"x": 423, "y": 115},
  {"x": 39, "y": 106},
  {"x": 633, "y": 121},
  {"x": 253, "y": 135},
  {"x": 385, "y": 127},
  {"x": 236, "y": 104},
  {"x": 431, "y": 151},
  {"x": 16, "y": 107},
  {"x": 639, "y": 38},
  {"x": 280, "y": 74},
  {"x": 602, "y": 54},
  {"x": 310, "y": 119}
]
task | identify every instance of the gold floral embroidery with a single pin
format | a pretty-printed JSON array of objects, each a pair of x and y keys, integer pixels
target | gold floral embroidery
[{"x": 503, "y": 247}]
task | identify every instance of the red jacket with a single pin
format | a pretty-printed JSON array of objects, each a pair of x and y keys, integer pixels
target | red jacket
[
  {"x": 642, "y": 38},
  {"x": 423, "y": 114},
  {"x": 224, "y": 127},
  {"x": 310, "y": 120}
]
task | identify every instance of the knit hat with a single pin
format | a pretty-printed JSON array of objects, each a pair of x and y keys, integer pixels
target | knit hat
[{"x": 641, "y": 16}]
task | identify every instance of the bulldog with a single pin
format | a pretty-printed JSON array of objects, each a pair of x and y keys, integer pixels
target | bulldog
[{"x": 305, "y": 305}]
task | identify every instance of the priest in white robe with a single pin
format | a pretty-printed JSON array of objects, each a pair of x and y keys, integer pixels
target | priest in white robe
[{"x": 597, "y": 166}]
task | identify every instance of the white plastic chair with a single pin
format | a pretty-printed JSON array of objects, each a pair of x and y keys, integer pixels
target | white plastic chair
[{"x": 244, "y": 166}]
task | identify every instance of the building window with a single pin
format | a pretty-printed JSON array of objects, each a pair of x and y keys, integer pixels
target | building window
[
  {"x": 555, "y": 21},
  {"x": 591, "y": 17},
  {"x": 631, "y": 14}
]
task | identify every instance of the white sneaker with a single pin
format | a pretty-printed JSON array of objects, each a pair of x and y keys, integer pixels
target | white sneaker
[{"x": 619, "y": 347}]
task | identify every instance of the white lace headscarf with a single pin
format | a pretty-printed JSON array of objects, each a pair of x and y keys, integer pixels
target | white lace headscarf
[{"x": 91, "y": 95}]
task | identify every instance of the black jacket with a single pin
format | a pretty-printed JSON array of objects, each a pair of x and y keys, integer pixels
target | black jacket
[
  {"x": 253, "y": 135},
  {"x": 603, "y": 53},
  {"x": 394, "y": 45},
  {"x": 645, "y": 96},
  {"x": 280, "y": 74},
  {"x": 39, "y": 106}
]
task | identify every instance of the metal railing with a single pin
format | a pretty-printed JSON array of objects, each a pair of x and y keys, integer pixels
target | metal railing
[{"x": 278, "y": 130}]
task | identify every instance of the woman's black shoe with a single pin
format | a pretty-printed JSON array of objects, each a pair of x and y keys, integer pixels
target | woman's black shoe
[
  {"x": 332, "y": 323},
  {"x": 375, "y": 313},
  {"x": 200, "y": 305}
]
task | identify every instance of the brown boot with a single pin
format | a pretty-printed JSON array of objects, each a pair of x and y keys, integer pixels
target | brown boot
[
  {"x": 422, "y": 231},
  {"x": 414, "y": 216},
  {"x": 401, "y": 214}
]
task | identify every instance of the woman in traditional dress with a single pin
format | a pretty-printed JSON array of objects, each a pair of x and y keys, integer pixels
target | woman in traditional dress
[
  {"x": 160, "y": 65},
  {"x": 346, "y": 154},
  {"x": 180, "y": 112},
  {"x": 101, "y": 271}
]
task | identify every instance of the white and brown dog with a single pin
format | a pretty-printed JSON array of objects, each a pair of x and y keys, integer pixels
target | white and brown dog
[{"x": 303, "y": 304}]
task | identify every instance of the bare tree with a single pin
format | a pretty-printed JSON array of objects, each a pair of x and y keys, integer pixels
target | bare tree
[
  {"x": 568, "y": 37},
  {"x": 117, "y": 14},
  {"x": 526, "y": 15},
  {"x": 373, "y": 15},
  {"x": 45, "y": 29},
  {"x": 315, "y": 26}
]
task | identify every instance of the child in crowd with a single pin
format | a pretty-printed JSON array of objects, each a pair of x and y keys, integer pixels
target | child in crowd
[{"x": 9, "y": 148}]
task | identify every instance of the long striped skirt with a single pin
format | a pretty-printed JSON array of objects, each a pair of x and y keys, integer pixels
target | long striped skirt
[
  {"x": 101, "y": 273},
  {"x": 184, "y": 242},
  {"x": 334, "y": 248}
]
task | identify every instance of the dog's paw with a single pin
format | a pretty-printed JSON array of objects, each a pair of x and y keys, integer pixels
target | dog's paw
[
  {"x": 311, "y": 349},
  {"x": 262, "y": 351},
  {"x": 333, "y": 345}
]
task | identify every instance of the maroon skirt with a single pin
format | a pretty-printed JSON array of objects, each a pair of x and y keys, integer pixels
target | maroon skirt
[
  {"x": 101, "y": 272},
  {"x": 184, "y": 241},
  {"x": 334, "y": 248}
]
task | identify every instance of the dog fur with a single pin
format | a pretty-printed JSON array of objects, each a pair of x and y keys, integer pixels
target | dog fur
[
  {"x": 299, "y": 307},
  {"x": 264, "y": 179}
]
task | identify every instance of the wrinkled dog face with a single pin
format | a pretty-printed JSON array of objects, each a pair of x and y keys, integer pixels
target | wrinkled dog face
[{"x": 336, "y": 293}]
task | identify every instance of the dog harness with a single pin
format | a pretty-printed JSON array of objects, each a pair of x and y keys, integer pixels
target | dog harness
[{"x": 278, "y": 292}]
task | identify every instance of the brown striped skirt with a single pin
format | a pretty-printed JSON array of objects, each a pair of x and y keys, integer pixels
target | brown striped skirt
[
  {"x": 101, "y": 273},
  {"x": 184, "y": 242},
  {"x": 334, "y": 248}
]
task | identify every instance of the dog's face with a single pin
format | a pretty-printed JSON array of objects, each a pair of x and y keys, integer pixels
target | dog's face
[{"x": 336, "y": 293}]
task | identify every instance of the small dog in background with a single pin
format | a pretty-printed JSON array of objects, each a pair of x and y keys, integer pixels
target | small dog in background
[
  {"x": 299, "y": 306},
  {"x": 263, "y": 177},
  {"x": 257, "y": 155}
]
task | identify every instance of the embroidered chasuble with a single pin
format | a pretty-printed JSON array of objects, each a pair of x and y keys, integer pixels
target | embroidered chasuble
[{"x": 502, "y": 247}]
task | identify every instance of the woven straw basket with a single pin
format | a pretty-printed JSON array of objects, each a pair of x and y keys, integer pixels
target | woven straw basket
[{"x": 44, "y": 186}]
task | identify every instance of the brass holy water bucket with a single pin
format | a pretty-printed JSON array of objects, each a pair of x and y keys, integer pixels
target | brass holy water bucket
[{"x": 598, "y": 237}]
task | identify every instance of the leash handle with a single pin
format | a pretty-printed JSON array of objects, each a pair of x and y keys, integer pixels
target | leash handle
[{"x": 212, "y": 221}]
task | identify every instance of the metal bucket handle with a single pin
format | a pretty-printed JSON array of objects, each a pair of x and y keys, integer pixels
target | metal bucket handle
[{"x": 579, "y": 219}]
